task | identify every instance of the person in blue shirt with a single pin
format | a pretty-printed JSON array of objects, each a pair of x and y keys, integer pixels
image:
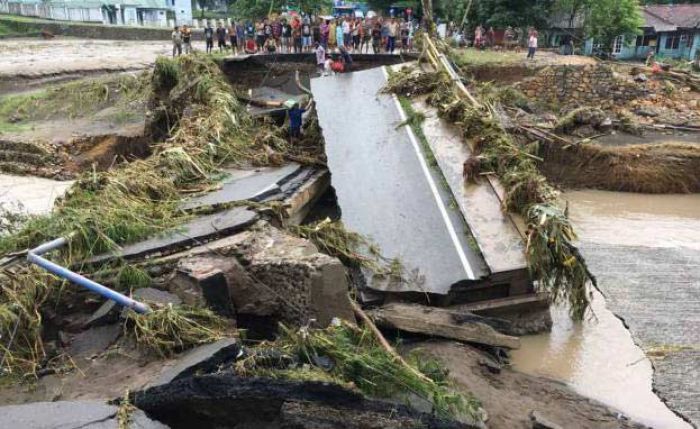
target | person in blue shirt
[{"x": 295, "y": 113}]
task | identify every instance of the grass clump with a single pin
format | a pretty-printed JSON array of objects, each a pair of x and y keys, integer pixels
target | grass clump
[
  {"x": 332, "y": 238},
  {"x": 169, "y": 329},
  {"x": 351, "y": 356}
]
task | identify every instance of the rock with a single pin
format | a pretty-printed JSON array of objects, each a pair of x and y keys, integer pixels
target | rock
[
  {"x": 641, "y": 77},
  {"x": 107, "y": 313},
  {"x": 157, "y": 296},
  {"x": 439, "y": 322},
  {"x": 203, "y": 359},
  {"x": 70, "y": 414},
  {"x": 202, "y": 280},
  {"x": 606, "y": 124},
  {"x": 645, "y": 112},
  {"x": 94, "y": 340},
  {"x": 541, "y": 422}
]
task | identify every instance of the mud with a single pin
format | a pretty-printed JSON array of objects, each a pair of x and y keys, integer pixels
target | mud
[{"x": 509, "y": 397}]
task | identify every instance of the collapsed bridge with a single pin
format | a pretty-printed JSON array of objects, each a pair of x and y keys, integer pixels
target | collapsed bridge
[{"x": 407, "y": 194}]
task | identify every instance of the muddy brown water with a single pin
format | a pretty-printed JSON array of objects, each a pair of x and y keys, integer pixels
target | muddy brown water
[{"x": 598, "y": 357}]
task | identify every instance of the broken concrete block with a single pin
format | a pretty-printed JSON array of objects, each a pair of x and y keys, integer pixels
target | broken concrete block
[
  {"x": 273, "y": 277},
  {"x": 439, "y": 322},
  {"x": 70, "y": 414},
  {"x": 200, "y": 280},
  {"x": 203, "y": 359},
  {"x": 94, "y": 340}
]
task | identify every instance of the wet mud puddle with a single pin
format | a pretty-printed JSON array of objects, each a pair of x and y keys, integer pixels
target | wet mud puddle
[{"x": 598, "y": 357}]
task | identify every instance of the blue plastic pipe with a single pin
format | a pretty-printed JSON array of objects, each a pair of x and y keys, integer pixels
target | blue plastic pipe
[{"x": 34, "y": 257}]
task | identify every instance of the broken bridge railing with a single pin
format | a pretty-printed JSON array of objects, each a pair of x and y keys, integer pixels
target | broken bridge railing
[{"x": 34, "y": 256}]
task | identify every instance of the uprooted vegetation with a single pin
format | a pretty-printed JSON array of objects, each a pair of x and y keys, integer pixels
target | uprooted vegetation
[
  {"x": 107, "y": 209},
  {"x": 199, "y": 128}
]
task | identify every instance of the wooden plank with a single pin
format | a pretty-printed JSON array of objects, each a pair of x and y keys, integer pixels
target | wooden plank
[
  {"x": 438, "y": 322},
  {"x": 529, "y": 301}
]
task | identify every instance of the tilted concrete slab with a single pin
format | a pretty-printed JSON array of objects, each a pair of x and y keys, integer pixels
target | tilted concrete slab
[
  {"x": 496, "y": 234},
  {"x": 196, "y": 231},
  {"x": 385, "y": 189},
  {"x": 252, "y": 185}
]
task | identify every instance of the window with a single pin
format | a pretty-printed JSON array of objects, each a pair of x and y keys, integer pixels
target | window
[
  {"x": 647, "y": 40},
  {"x": 672, "y": 41},
  {"x": 617, "y": 45}
]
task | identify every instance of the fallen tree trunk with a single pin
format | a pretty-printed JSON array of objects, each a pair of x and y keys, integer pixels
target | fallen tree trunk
[{"x": 438, "y": 322}]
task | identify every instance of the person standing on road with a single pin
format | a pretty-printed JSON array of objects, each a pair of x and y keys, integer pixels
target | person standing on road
[
  {"x": 209, "y": 38},
  {"x": 267, "y": 27},
  {"x": 187, "y": 39},
  {"x": 221, "y": 37},
  {"x": 240, "y": 34},
  {"x": 393, "y": 32},
  {"x": 233, "y": 38},
  {"x": 376, "y": 37},
  {"x": 320, "y": 57},
  {"x": 286, "y": 37},
  {"x": 340, "y": 40},
  {"x": 296, "y": 38},
  {"x": 176, "y": 36},
  {"x": 325, "y": 32},
  {"x": 259, "y": 35},
  {"x": 332, "y": 35},
  {"x": 347, "y": 29},
  {"x": 277, "y": 32},
  {"x": 532, "y": 44},
  {"x": 306, "y": 35}
]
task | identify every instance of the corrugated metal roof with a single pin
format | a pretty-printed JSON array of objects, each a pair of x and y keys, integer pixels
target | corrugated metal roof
[{"x": 670, "y": 17}]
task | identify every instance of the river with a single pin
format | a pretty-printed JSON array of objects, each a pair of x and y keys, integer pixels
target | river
[{"x": 644, "y": 250}]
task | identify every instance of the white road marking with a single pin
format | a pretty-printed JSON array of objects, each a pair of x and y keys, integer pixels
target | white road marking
[{"x": 426, "y": 171}]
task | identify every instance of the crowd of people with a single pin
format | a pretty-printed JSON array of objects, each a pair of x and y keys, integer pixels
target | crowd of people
[{"x": 296, "y": 35}]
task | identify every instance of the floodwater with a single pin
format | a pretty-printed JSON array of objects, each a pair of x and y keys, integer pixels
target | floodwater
[
  {"x": 598, "y": 357},
  {"x": 32, "y": 195}
]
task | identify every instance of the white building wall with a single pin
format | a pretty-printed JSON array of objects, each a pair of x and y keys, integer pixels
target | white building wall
[
  {"x": 182, "y": 9},
  {"x": 130, "y": 17}
]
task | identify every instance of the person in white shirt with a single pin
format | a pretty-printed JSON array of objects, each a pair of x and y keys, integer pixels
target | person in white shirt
[{"x": 532, "y": 44}]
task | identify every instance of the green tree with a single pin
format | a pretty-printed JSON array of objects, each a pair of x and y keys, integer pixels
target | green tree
[
  {"x": 516, "y": 13},
  {"x": 604, "y": 20},
  {"x": 257, "y": 9}
]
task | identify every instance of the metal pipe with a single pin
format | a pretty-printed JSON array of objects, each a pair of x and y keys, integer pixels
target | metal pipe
[{"x": 34, "y": 258}]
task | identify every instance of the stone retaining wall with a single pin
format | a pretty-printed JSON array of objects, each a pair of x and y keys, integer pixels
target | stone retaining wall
[
  {"x": 573, "y": 86},
  {"x": 88, "y": 31}
]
